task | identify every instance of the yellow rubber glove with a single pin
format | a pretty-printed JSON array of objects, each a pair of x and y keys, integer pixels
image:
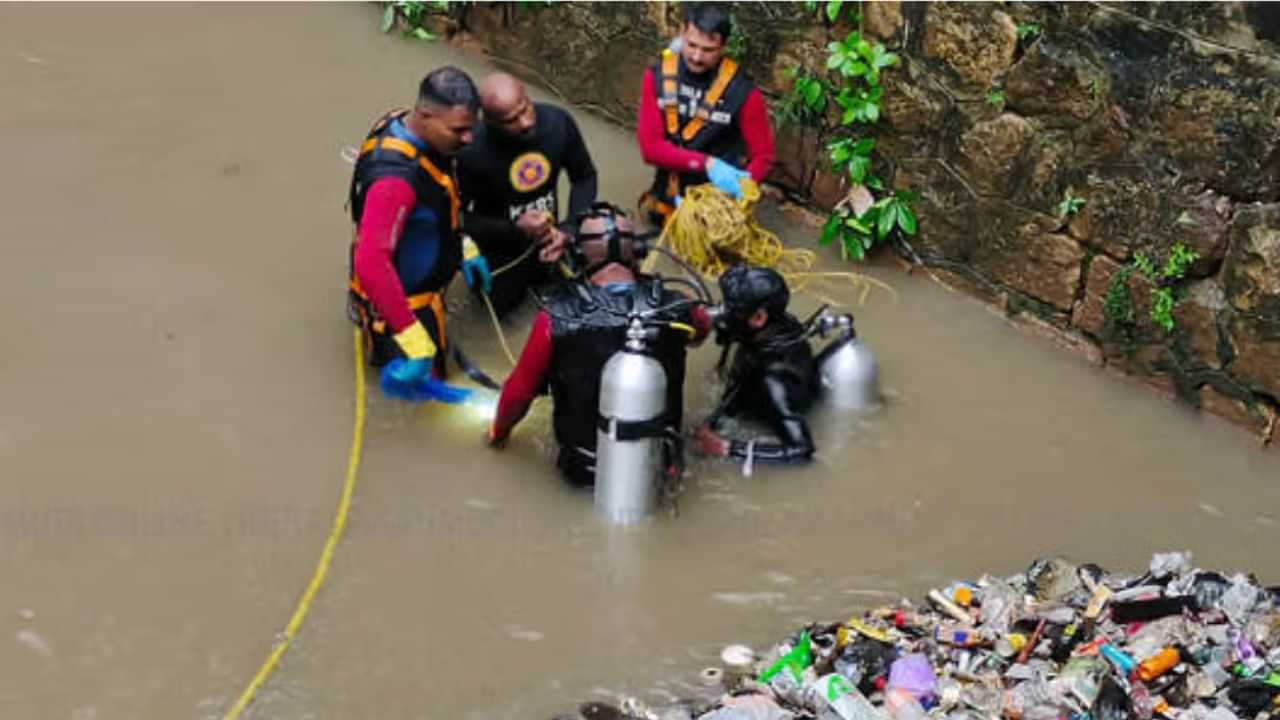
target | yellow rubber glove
[{"x": 416, "y": 342}]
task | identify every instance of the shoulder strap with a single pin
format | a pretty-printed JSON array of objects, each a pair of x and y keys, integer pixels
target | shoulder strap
[
  {"x": 671, "y": 90},
  {"x": 728, "y": 69}
]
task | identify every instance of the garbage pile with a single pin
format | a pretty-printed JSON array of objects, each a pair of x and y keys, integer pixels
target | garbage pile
[{"x": 1058, "y": 641}]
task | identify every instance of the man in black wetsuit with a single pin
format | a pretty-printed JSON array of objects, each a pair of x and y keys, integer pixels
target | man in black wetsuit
[
  {"x": 509, "y": 175},
  {"x": 773, "y": 377}
]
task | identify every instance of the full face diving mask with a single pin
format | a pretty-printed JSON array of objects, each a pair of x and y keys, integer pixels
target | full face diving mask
[
  {"x": 743, "y": 291},
  {"x": 623, "y": 248}
]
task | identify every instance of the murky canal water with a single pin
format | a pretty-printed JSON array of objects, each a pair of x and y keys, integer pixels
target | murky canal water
[{"x": 175, "y": 394}]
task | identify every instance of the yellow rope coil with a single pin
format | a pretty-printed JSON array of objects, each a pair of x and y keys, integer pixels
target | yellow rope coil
[
  {"x": 713, "y": 232},
  {"x": 326, "y": 555}
]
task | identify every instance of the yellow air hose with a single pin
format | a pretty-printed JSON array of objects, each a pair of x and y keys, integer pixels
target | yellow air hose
[{"x": 326, "y": 555}]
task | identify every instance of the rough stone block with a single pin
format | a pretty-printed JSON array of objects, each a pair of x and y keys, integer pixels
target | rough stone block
[
  {"x": 974, "y": 40},
  {"x": 1252, "y": 272},
  {"x": 1057, "y": 83},
  {"x": 988, "y": 150}
]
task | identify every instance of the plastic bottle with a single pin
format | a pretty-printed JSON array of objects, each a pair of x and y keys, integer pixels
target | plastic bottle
[
  {"x": 903, "y": 706},
  {"x": 1119, "y": 658},
  {"x": 1158, "y": 664},
  {"x": 837, "y": 699},
  {"x": 959, "y": 636}
]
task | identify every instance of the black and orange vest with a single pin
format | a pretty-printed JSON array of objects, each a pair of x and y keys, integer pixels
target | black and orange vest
[{"x": 699, "y": 114}]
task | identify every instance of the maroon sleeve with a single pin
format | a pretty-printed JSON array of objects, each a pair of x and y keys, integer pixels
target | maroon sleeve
[
  {"x": 758, "y": 135},
  {"x": 701, "y": 324},
  {"x": 526, "y": 381},
  {"x": 654, "y": 146},
  {"x": 386, "y": 207}
]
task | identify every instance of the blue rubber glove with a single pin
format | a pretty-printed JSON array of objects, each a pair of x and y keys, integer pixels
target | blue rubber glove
[
  {"x": 411, "y": 380},
  {"x": 475, "y": 267},
  {"x": 726, "y": 177},
  {"x": 678, "y": 199}
]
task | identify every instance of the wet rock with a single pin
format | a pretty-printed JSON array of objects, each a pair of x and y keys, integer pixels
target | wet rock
[
  {"x": 1252, "y": 273},
  {"x": 1256, "y": 345},
  {"x": 1196, "y": 318},
  {"x": 976, "y": 41},
  {"x": 1226, "y": 135},
  {"x": 1252, "y": 415},
  {"x": 988, "y": 150},
  {"x": 1021, "y": 250},
  {"x": 1044, "y": 176},
  {"x": 881, "y": 19},
  {"x": 800, "y": 156},
  {"x": 1125, "y": 208},
  {"x": 1089, "y": 314},
  {"x": 1202, "y": 224},
  {"x": 1057, "y": 83},
  {"x": 828, "y": 189},
  {"x": 946, "y": 210},
  {"x": 910, "y": 105}
]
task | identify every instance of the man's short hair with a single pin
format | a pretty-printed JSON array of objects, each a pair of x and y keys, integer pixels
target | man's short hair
[
  {"x": 711, "y": 18},
  {"x": 449, "y": 87}
]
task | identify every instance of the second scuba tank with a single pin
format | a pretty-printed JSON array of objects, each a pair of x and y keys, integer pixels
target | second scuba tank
[
  {"x": 847, "y": 368},
  {"x": 633, "y": 393}
]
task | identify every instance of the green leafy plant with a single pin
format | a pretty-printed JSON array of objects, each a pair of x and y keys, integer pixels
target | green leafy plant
[
  {"x": 995, "y": 97},
  {"x": 807, "y": 101},
  {"x": 1028, "y": 30},
  {"x": 414, "y": 14},
  {"x": 852, "y": 85},
  {"x": 859, "y": 233},
  {"x": 1118, "y": 304},
  {"x": 736, "y": 46},
  {"x": 1070, "y": 204}
]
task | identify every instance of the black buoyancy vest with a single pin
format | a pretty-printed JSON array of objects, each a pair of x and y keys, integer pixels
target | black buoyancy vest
[
  {"x": 584, "y": 337},
  {"x": 788, "y": 361},
  {"x": 384, "y": 155},
  {"x": 708, "y": 127}
]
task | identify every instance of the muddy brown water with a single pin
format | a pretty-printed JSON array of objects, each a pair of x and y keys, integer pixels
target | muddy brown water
[{"x": 175, "y": 417}]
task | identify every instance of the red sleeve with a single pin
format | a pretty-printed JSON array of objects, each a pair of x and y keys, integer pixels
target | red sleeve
[
  {"x": 654, "y": 147},
  {"x": 527, "y": 380},
  {"x": 701, "y": 324},
  {"x": 758, "y": 135},
  {"x": 387, "y": 205}
]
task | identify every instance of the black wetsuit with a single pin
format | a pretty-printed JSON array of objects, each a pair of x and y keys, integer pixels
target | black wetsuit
[
  {"x": 774, "y": 380},
  {"x": 502, "y": 177}
]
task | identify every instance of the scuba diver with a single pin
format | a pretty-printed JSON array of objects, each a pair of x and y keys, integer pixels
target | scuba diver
[
  {"x": 405, "y": 205},
  {"x": 774, "y": 377},
  {"x": 586, "y": 322}
]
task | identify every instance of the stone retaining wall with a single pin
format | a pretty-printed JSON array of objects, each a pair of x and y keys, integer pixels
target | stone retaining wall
[{"x": 1163, "y": 117}]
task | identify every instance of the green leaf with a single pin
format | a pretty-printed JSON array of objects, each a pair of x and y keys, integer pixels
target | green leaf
[
  {"x": 853, "y": 247},
  {"x": 907, "y": 220},
  {"x": 833, "y": 9},
  {"x": 873, "y": 112},
  {"x": 829, "y": 230},
  {"x": 841, "y": 153},
  {"x": 857, "y": 225},
  {"x": 864, "y": 146},
  {"x": 848, "y": 117},
  {"x": 875, "y": 183},
  {"x": 887, "y": 60},
  {"x": 422, "y": 34},
  {"x": 835, "y": 59},
  {"x": 888, "y": 218},
  {"x": 388, "y": 18},
  {"x": 858, "y": 167}
]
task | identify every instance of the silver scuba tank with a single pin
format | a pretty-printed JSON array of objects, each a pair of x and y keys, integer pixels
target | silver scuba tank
[
  {"x": 847, "y": 368},
  {"x": 633, "y": 388}
]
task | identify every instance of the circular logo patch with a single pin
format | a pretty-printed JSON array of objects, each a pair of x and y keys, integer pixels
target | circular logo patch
[{"x": 530, "y": 171}]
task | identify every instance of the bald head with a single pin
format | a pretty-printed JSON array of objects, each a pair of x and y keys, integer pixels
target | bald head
[{"x": 507, "y": 107}]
